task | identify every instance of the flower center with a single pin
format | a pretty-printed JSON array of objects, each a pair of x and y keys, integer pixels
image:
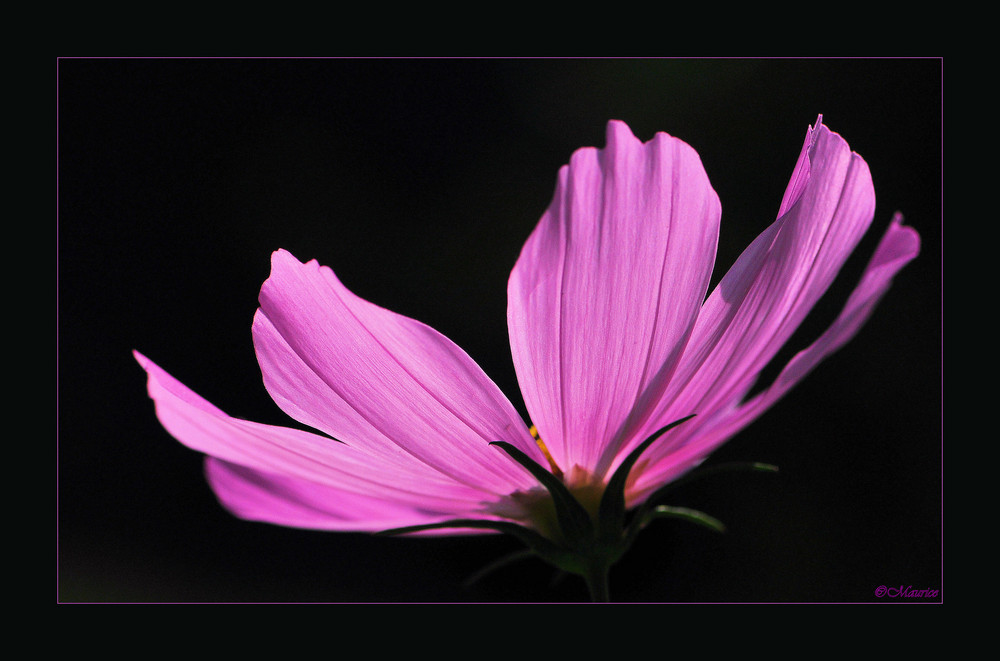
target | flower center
[{"x": 536, "y": 508}]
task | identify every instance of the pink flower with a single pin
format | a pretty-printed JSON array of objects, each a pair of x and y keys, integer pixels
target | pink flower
[{"x": 612, "y": 338}]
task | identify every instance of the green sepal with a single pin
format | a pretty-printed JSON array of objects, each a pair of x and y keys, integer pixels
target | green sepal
[
  {"x": 611, "y": 512},
  {"x": 541, "y": 546},
  {"x": 582, "y": 550},
  {"x": 574, "y": 521},
  {"x": 688, "y": 514}
]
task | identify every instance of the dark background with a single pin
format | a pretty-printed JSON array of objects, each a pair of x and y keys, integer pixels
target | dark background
[{"x": 418, "y": 181}]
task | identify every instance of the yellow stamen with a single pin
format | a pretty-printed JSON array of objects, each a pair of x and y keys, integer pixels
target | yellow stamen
[{"x": 541, "y": 446}]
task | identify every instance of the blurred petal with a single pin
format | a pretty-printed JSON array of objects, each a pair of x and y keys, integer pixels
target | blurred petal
[
  {"x": 298, "y": 454},
  {"x": 774, "y": 284},
  {"x": 898, "y": 246},
  {"x": 380, "y": 381},
  {"x": 607, "y": 289}
]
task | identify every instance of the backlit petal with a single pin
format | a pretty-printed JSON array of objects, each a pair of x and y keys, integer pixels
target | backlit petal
[
  {"x": 898, "y": 246},
  {"x": 382, "y": 382},
  {"x": 765, "y": 296},
  {"x": 301, "y": 455},
  {"x": 607, "y": 289}
]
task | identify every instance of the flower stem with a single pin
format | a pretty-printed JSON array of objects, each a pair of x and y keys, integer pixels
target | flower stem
[{"x": 597, "y": 583}]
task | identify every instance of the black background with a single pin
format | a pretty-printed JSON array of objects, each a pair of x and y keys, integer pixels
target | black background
[{"x": 418, "y": 181}]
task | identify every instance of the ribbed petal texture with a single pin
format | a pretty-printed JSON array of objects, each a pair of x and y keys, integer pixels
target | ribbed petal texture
[{"x": 607, "y": 289}]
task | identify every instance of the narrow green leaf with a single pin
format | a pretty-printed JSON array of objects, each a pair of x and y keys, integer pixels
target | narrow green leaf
[
  {"x": 499, "y": 563},
  {"x": 728, "y": 467},
  {"x": 501, "y": 526},
  {"x": 541, "y": 546},
  {"x": 611, "y": 512},
  {"x": 641, "y": 514},
  {"x": 695, "y": 516},
  {"x": 573, "y": 518}
]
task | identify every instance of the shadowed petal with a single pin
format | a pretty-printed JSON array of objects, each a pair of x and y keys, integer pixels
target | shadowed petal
[
  {"x": 898, "y": 246},
  {"x": 774, "y": 284},
  {"x": 382, "y": 382},
  {"x": 259, "y": 496},
  {"x": 607, "y": 289},
  {"x": 301, "y": 455}
]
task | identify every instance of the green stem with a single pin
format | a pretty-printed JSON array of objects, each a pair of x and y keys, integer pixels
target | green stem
[{"x": 597, "y": 583}]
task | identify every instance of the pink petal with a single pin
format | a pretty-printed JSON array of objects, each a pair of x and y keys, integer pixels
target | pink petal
[
  {"x": 773, "y": 285},
  {"x": 898, "y": 246},
  {"x": 607, "y": 289},
  {"x": 259, "y": 496},
  {"x": 381, "y": 382},
  {"x": 302, "y": 456}
]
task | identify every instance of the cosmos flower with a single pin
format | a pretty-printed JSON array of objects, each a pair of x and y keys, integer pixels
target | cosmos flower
[{"x": 615, "y": 347}]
